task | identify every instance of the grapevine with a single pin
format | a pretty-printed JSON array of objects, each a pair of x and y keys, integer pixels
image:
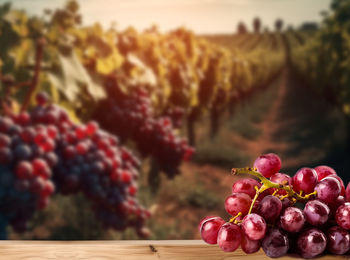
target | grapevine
[
  {"x": 43, "y": 151},
  {"x": 137, "y": 121}
]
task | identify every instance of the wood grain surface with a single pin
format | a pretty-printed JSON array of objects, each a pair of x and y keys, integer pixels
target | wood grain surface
[{"x": 124, "y": 250}]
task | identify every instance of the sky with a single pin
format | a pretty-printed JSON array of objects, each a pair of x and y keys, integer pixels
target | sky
[{"x": 201, "y": 16}]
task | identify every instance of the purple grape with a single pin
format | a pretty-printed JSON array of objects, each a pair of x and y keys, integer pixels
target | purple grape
[
  {"x": 270, "y": 208},
  {"x": 338, "y": 240},
  {"x": 334, "y": 205},
  {"x": 311, "y": 243},
  {"x": 342, "y": 216},
  {"x": 328, "y": 189},
  {"x": 254, "y": 226},
  {"x": 275, "y": 244},
  {"x": 268, "y": 164},
  {"x": 209, "y": 229},
  {"x": 292, "y": 219},
  {"x": 286, "y": 202},
  {"x": 6, "y": 156},
  {"x": 249, "y": 246},
  {"x": 229, "y": 237},
  {"x": 22, "y": 152},
  {"x": 347, "y": 193},
  {"x": 305, "y": 180},
  {"x": 316, "y": 212}
]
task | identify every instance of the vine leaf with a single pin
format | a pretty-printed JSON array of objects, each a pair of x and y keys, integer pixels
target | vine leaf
[{"x": 72, "y": 77}]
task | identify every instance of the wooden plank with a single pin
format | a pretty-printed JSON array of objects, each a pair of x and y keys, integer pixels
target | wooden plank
[{"x": 124, "y": 250}]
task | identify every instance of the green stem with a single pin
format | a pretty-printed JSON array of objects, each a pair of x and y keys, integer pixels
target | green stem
[
  {"x": 258, "y": 192},
  {"x": 267, "y": 184},
  {"x": 234, "y": 218}
]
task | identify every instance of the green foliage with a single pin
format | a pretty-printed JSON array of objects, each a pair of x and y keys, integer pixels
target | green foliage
[
  {"x": 179, "y": 68},
  {"x": 325, "y": 60},
  {"x": 199, "y": 197},
  {"x": 216, "y": 154}
]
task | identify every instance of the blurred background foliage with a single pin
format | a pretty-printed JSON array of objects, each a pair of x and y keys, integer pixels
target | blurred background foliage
[{"x": 237, "y": 95}]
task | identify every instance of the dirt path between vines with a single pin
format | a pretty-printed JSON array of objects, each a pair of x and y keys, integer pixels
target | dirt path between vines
[
  {"x": 270, "y": 124},
  {"x": 299, "y": 126}
]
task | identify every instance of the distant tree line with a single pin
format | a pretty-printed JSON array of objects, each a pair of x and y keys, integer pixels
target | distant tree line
[{"x": 279, "y": 26}]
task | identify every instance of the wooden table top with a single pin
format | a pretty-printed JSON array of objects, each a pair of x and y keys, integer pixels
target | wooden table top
[{"x": 125, "y": 250}]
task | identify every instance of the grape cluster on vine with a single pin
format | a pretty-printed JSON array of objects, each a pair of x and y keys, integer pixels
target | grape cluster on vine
[
  {"x": 43, "y": 151},
  {"x": 307, "y": 214},
  {"x": 132, "y": 117}
]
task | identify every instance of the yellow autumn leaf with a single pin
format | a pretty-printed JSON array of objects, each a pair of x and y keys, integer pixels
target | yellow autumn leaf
[{"x": 105, "y": 66}]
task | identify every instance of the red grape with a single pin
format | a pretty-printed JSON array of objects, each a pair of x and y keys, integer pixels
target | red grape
[
  {"x": 305, "y": 180},
  {"x": 229, "y": 237},
  {"x": 316, "y": 212},
  {"x": 246, "y": 186},
  {"x": 268, "y": 164},
  {"x": 254, "y": 226},
  {"x": 210, "y": 228},
  {"x": 42, "y": 98},
  {"x": 342, "y": 216},
  {"x": 342, "y": 192},
  {"x": 292, "y": 219},
  {"x": 5, "y": 141},
  {"x": 281, "y": 178},
  {"x": 23, "y": 118},
  {"x": 249, "y": 246},
  {"x": 328, "y": 189},
  {"x": 238, "y": 202},
  {"x": 48, "y": 145},
  {"x": 80, "y": 132},
  {"x": 40, "y": 168},
  {"x": 324, "y": 171},
  {"x": 37, "y": 185},
  {"x": 81, "y": 148},
  {"x": 24, "y": 170},
  {"x": 203, "y": 220},
  {"x": 91, "y": 127},
  {"x": 52, "y": 131},
  {"x": 48, "y": 189}
]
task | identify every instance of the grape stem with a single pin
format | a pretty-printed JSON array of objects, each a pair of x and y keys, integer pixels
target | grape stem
[
  {"x": 267, "y": 184},
  {"x": 233, "y": 219}
]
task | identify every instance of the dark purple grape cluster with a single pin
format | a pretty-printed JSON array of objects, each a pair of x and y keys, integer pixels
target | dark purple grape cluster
[
  {"x": 44, "y": 147},
  {"x": 307, "y": 214},
  {"x": 25, "y": 168},
  {"x": 132, "y": 117}
]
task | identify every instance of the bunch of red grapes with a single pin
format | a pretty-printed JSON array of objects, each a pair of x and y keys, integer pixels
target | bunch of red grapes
[
  {"x": 25, "y": 168},
  {"x": 44, "y": 150},
  {"x": 307, "y": 214},
  {"x": 132, "y": 117}
]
